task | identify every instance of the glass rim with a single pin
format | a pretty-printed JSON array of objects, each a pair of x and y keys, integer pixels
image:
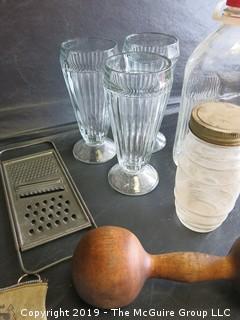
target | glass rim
[
  {"x": 64, "y": 43},
  {"x": 170, "y": 36},
  {"x": 168, "y": 67}
]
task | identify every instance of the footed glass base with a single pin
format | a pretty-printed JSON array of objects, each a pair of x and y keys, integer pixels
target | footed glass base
[
  {"x": 160, "y": 142},
  {"x": 94, "y": 154},
  {"x": 133, "y": 184}
]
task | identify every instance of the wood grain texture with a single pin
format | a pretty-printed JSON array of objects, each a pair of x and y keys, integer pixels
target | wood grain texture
[
  {"x": 110, "y": 267},
  {"x": 192, "y": 267}
]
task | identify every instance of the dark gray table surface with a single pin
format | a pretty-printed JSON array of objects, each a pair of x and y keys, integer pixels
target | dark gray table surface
[{"x": 153, "y": 219}]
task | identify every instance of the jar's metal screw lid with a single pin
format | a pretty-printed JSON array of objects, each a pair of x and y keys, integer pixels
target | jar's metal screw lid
[{"x": 217, "y": 123}]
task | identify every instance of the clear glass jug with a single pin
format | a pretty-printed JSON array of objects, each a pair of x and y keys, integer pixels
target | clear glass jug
[{"x": 212, "y": 72}]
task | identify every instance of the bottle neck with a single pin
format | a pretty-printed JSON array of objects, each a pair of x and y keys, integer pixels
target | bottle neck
[
  {"x": 232, "y": 12},
  {"x": 226, "y": 14}
]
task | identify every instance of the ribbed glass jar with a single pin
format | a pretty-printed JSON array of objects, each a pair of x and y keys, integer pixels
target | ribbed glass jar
[{"x": 207, "y": 182}]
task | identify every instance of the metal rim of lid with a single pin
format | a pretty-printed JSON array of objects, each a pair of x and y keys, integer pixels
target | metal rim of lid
[
  {"x": 233, "y": 3},
  {"x": 211, "y": 131}
]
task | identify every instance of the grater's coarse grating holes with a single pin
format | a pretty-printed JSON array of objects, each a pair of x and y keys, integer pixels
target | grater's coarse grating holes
[
  {"x": 67, "y": 202},
  {"x": 37, "y": 204},
  {"x": 65, "y": 219},
  {"x": 42, "y": 219},
  {"x": 49, "y": 225},
  {"x": 59, "y": 205},
  {"x": 58, "y": 213},
  {"x": 31, "y": 231},
  {"x": 27, "y": 215},
  {"x": 57, "y": 222},
  {"x": 52, "y": 199},
  {"x": 35, "y": 213},
  {"x": 50, "y": 216},
  {"x": 43, "y": 209},
  {"x": 33, "y": 222},
  {"x": 51, "y": 207},
  {"x": 74, "y": 217},
  {"x": 45, "y": 202},
  {"x": 66, "y": 210},
  {"x": 29, "y": 207},
  {"x": 40, "y": 229},
  {"x": 60, "y": 197}
]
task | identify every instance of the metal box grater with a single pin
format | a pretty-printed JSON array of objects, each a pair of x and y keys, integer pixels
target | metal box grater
[{"x": 43, "y": 202}]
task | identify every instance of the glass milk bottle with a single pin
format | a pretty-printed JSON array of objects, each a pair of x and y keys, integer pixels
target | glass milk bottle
[
  {"x": 212, "y": 72},
  {"x": 208, "y": 174}
]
